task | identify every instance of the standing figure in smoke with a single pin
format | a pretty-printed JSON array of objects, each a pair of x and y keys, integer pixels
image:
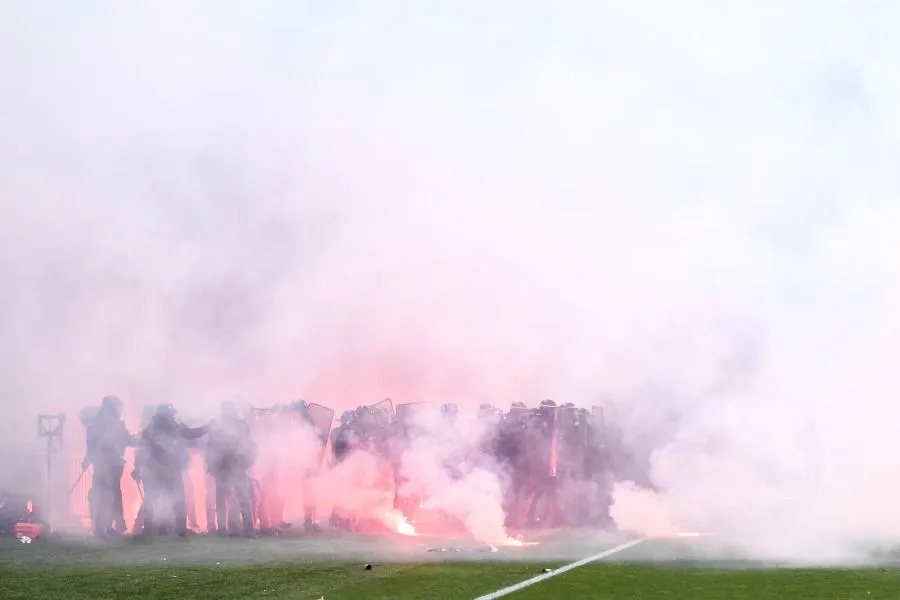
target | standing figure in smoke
[
  {"x": 107, "y": 438},
  {"x": 146, "y": 418},
  {"x": 511, "y": 453},
  {"x": 269, "y": 501},
  {"x": 571, "y": 477},
  {"x": 230, "y": 453},
  {"x": 342, "y": 444},
  {"x": 542, "y": 451},
  {"x": 161, "y": 460},
  {"x": 311, "y": 464},
  {"x": 456, "y": 455}
]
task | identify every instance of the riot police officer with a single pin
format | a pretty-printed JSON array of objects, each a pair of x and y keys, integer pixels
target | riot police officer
[
  {"x": 107, "y": 438},
  {"x": 160, "y": 464},
  {"x": 230, "y": 453}
]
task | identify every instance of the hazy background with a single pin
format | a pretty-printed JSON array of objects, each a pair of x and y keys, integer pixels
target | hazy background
[{"x": 687, "y": 207}]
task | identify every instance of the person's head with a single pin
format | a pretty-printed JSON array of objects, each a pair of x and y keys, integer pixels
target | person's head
[
  {"x": 166, "y": 412},
  {"x": 111, "y": 405}
]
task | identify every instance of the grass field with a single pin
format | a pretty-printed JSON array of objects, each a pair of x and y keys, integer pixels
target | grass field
[{"x": 333, "y": 568}]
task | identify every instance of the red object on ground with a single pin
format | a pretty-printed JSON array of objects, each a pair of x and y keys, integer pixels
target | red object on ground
[{"x": 32, "y": 530}]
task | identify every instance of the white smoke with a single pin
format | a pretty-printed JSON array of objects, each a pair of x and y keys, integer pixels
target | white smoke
[
  {"x": 444, "y": 466},
  {"x": 688, "y": 207}
]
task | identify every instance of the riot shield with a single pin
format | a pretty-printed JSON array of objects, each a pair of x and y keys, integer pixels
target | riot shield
[
  {"x": 583, "y": 427},
  {"x": 570, "y": 426},
  {"x": 260, "y": 415},
  {"x": 407, "y": 411},
  {"x": 554, "y": 440},
  {"x": 521, "y": 411},
  {"x": 322, "y": 418},
  {"x": 387, "y": 406},
  {"x": 599, "y": 418}
]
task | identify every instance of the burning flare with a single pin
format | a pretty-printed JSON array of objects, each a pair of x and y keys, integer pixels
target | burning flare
[
  {"x": 397, "y": 522},
  {"x": 514, "y": 543}
]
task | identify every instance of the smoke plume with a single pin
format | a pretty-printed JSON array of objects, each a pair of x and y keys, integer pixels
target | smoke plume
[{"x": 685, "y": 211}]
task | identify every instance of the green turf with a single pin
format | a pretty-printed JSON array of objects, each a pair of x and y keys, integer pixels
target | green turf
[
  {"x": 334, "y": 582},
  {"x": 450, "y": 581},
  {"x": 627, "y": 581},
  {"x": 279, "y": 569}
]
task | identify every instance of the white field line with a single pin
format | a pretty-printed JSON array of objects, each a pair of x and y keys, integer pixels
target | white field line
[{"x": 580, "y": 563}]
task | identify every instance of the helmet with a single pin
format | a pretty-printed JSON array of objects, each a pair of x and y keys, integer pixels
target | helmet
[
  {"x": 486, "y": 409},
  {"x": 166, "y": 411},
  {"x": 111, "y": 404}
]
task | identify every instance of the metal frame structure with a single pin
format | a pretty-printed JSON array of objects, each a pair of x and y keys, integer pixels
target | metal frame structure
[{"x": 51, "y": 428}]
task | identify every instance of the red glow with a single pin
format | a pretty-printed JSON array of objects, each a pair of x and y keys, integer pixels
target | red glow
[{"x": 360, "y": 490}]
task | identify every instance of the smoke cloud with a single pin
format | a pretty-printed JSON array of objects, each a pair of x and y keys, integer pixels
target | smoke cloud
[{"x": 685, "y": 212}]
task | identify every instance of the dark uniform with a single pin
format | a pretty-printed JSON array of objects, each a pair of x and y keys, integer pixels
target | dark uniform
[
  {"x": 107, "y": 439},
  {"x": 341, "y": 437},
  {"x": 162, "y": 458},
  {"x": 301, "y": 411},
  {"x": 230, "y": 453},
  {"x": 511, "y": 454}
]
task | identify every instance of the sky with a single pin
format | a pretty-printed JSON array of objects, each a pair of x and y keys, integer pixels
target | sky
[{"x": 678, "y": 209}]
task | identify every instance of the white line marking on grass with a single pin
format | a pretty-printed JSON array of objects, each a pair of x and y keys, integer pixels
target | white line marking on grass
[{"x": 529, "y": 582}]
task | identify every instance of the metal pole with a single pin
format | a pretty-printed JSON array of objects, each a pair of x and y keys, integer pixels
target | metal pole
[{"x": 49, "y": 478}]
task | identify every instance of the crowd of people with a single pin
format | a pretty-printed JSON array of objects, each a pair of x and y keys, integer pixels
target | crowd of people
[{"x": 555, "y": 464}]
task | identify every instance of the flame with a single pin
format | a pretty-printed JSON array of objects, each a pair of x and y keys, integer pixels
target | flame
[
  {"x": 404, "y": 528},
  {"x": 514, "y": 543},
  {"x": 396, "y": 521}
]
